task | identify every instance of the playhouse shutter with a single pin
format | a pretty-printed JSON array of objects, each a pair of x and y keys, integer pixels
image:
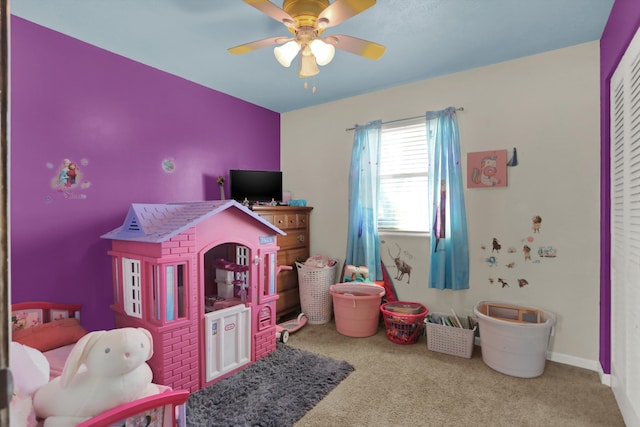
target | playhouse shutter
[
  {"x": 625, "y": 233},
  {"x": 132, "y": 288}
]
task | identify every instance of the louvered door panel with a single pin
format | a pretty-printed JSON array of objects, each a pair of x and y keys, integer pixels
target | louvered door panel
[{"x": 625, "y": 233}]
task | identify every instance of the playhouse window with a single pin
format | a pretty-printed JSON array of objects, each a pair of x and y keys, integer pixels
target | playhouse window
[
  {"x": 167, "y": 291},
  {"x": 242, "y": 258},
  {"x": 269, "y": 274},
  {"x": 132, "y": 288},
  {"x": 174, "y": 282}
]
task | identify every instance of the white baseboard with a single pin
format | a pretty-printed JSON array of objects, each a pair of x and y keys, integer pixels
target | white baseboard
[
  {"x": 604, "y": 378},
  {"x": 578, "y": 362},
  {"x": 627, "y": 408}
]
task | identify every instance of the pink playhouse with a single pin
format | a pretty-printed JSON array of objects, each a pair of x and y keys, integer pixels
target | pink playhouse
[{"x": 201, "y": 277}]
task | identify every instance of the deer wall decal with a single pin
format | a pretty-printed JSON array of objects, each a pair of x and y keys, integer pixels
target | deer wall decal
[{"x": 403, "y": 267}]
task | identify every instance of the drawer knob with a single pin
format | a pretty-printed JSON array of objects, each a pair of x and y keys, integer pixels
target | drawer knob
[{"x": 301, "y": 238}]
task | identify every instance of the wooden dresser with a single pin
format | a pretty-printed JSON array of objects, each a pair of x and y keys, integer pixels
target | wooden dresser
[{"x": 294, "y": 247}]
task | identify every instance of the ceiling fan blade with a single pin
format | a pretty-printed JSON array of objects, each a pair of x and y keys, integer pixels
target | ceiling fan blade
[
  {"x": 258, "y": 44},
  {"x": 341, "y": 10},
  {"x": 356, "y": 46},
  {"x": 270, "y": 9}
]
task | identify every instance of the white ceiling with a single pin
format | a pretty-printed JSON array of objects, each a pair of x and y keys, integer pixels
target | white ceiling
[{"x": 424, "y": 39}]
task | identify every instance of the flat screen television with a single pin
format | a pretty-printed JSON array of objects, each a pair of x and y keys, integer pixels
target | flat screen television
[{"x": 255, "y": 186}]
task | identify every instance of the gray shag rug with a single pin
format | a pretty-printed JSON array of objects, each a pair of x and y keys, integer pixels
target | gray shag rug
[{"x": 275, "y": 391}]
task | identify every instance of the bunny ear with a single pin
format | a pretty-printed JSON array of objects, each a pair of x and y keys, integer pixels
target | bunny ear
[
  {"x": 78, "y": 355},
  {"x": 148, "y": 335}
]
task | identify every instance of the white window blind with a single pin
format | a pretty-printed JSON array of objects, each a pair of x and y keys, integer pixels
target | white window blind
[
  {"x": 404, "y": 155},
  {"x": 625, "y": 233}
]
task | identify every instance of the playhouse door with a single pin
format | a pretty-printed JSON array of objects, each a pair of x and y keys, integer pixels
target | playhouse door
[{"x": 227, "y": 340}]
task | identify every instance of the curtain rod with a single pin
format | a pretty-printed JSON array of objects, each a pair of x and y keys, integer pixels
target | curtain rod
[{"x": 402, "y": 120}]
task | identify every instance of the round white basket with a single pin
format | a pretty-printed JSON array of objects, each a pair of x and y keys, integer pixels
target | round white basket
[{"x": 315, "y": 298}]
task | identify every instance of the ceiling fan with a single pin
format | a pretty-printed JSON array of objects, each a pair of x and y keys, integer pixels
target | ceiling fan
[{"x": 307, "y": 20}]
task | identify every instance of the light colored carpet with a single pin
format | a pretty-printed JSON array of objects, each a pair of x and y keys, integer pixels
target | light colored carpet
[{"x": 409, "y": 385}]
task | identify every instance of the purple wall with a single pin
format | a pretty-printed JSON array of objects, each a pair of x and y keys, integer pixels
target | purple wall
[
  {"x": 621, "y": 27},
  {"x": 137, "y": 135}
]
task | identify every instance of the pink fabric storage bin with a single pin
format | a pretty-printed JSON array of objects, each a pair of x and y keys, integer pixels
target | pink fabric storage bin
[{"x": 356, "y": 308}]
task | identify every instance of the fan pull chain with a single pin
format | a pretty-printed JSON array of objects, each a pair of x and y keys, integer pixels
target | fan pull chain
[{"x": 306, "y": 85}]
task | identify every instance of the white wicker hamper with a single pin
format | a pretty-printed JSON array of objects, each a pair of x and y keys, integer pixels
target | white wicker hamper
[
  {"x": 315, "y": 298},
  {"x": 449, "y": 339}
]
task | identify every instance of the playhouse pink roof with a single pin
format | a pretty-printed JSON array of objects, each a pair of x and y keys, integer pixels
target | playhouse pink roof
[{"x": 155, "y": 223}]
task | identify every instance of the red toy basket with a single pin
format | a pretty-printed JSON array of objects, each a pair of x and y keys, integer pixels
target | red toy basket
[{"x": 403, "y": 321}]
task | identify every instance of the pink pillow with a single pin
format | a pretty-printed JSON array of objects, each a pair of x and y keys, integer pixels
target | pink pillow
[{"x": 51, "y": 335}]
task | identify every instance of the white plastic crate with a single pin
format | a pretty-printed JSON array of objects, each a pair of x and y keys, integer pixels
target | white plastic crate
[{"x": 449, "y": 339}]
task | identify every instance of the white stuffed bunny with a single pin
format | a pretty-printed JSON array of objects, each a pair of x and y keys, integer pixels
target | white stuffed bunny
[
  {"x": 116, "y": 373},
  {"x": 30, "y": 370}
]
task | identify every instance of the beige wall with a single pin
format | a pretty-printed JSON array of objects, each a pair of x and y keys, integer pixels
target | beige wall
[{"x": 547, "y": 106}]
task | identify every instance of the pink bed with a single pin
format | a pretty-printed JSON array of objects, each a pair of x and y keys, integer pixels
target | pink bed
[{"x": 53, "y": 329}]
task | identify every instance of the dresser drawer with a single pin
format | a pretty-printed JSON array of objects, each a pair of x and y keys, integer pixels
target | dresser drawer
[
  {"x": 270, "y": 218},
  {"x": 288, "y": 221},
  {"x": 301, "y": 220},
  {"x": 288, "y": 300},
  {"x": 297, "y": 255},
  {"x": 280, "y": 221},
  {"x": 287, "y": 280},
  {"x": 291, "y": 256},
  {"x": 293, "y": 239}
]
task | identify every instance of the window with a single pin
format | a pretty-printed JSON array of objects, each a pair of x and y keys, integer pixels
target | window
[
  {"x": 403, "y": 203},
  {"x": 242, "y": 258},
  {"x": 270, "y": 271},
  {"x": 174, "y": 276},
  {"x": 171, "y": 279}
]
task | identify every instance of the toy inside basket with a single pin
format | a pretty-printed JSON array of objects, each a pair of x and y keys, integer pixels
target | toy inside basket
[{"x": 403, "y": 321}]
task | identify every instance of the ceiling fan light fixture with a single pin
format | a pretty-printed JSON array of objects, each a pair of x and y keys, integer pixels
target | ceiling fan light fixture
[
  {"x": 308, "y": 66},
  {"x": 286, "y": 53},
  {"x": 323, "y": 52},
  {"x": 307, "y": 20},
  {"x": 321, "y": 24}
]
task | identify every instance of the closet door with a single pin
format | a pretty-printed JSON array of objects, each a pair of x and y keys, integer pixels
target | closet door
[{"x": 625, "y": 233}]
